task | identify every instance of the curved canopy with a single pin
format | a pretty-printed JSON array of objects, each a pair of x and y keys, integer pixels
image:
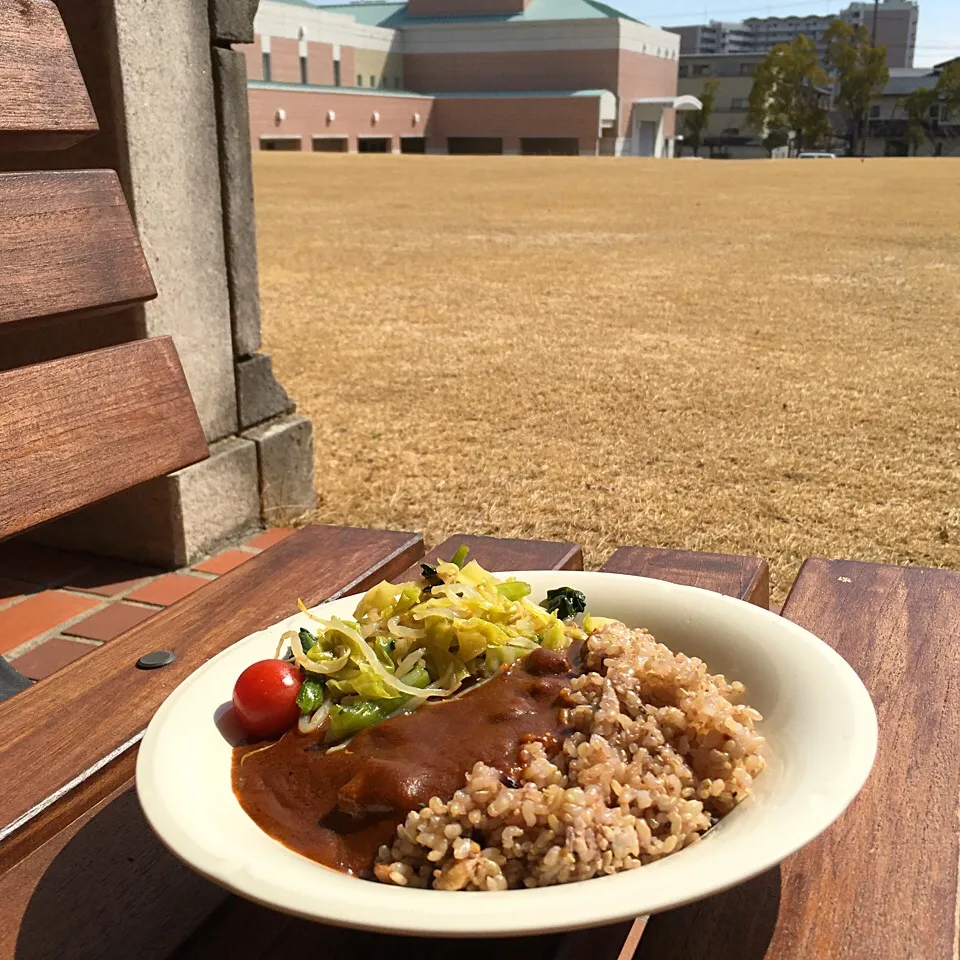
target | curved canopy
[{"x": 685, "y": 102}]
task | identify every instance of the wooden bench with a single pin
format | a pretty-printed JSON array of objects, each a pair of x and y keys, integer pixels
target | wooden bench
[
  {"x": 82, "y": 876},
  {"x": 78, "y": 428}
]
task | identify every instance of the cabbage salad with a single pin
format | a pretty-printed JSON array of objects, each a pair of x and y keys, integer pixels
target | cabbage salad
[{"x": 424, "y": 639}]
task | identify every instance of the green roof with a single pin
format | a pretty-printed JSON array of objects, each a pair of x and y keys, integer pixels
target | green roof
[{"x": 395, "y": 14}]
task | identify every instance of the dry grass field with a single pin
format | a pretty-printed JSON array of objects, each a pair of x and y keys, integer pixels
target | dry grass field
[{"x": 749, "y": 357}]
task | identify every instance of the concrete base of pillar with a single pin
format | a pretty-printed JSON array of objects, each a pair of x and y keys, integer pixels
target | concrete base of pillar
[
  {"x": 260, "y": 395},
  {"x": 285, "y": 458},
  {"x": 174, "y": 520}
]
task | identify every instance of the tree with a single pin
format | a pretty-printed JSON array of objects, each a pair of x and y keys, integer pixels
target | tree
[
  {"x": 948, "y": 86},
  {"x": 917, "y": 107},
  {"x": 775, "y": 139},
  {"x": 695, "y": 122},
  {"x": 789, "y": 93},
  {"x": 860, "y": 71}
]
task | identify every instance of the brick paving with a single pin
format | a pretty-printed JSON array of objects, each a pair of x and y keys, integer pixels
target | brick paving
[{"x": 57, "y": 606}]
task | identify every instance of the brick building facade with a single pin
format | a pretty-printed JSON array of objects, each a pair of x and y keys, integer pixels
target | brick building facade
[{"x": 462, "y": 76}]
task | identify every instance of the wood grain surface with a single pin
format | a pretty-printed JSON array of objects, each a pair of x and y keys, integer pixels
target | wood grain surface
[
  {"x": 43, "y": 100},
  {"x": 745, "y": 577},
  {"x": 881, "y": 883},
  {"x": 68, "y": 245},
  {"x": 75, "y": 430}
]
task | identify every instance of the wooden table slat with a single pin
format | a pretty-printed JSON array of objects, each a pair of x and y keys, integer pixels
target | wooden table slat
[
  {"x": 502, "y": 554},
  {"x": 881, "y": 883},
  {"x": 745, "y": 577},
  {"x": 43, "y": 100}
]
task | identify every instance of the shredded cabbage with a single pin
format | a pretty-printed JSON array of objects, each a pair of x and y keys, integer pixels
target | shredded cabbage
[{"x": 420, "y": 640}]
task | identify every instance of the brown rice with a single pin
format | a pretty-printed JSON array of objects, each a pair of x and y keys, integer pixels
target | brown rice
[{"x": 661, "y": 750}]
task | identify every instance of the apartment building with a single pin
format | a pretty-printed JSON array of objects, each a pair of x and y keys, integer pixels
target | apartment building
[
  {"x": 728, "y": 134},
  {"x": 896, "y": 28},
  {"x": 570, "y": 77},
  {"x": 887, "y": 119}
]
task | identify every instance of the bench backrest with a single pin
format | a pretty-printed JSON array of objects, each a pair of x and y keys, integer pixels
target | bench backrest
[{"x": 80, "y": 428}]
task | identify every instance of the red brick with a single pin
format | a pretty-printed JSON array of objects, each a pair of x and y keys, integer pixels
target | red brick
[
  {"x": 114, "y": 619},
  {"x": 38, "y": 613},
  {"x": 224, "y": 562},
  {"x": 109, "y": 577},
  {"x": 168, "y": 589},
  {"x": 38, "y": 564},
  {"x": 269, "y": 537},
  {"x": 50, "y": 656}
]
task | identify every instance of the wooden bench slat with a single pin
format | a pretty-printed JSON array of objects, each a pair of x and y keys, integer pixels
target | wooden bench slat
[
  {"x": 496, "y": 554},
  {"x": 314, "y": 564},
  {"x": 75, "y": 430},
  {"x": 43, "y": 100},
  {"x": 745, "y": 577},
  {"x": 882, "y": 881},
  {"x": 68, "y": 246}
]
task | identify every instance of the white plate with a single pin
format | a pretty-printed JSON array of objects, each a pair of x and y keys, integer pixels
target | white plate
[{"x": 818, "y": 719}]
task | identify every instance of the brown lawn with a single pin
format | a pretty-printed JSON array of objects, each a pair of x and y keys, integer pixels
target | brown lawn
[{"x": 755, "y": 357}]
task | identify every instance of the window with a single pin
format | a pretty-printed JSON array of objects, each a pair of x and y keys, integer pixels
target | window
[
  {"x": 359, "y": 80},
  {"x": 700, "y": 70},
  {"x": 265, "y": 65},
  {"x": 738, "y": 104},
  {"x": 684, "y": 70},
  {"x": 875, "y": 112},
  {"x": 303, "y": 70},
  {"x": 336, "y": 73},
  {"x": 748, "y": 69},
  {"x": 373, "y": 81},
  {"x": 396, "y": 83}
]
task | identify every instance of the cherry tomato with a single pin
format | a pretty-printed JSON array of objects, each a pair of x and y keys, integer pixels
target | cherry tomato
[{"x": 265, "y": 697}]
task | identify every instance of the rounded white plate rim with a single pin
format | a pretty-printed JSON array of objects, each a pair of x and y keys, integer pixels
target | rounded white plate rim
[{"x": 528, "y": 911}]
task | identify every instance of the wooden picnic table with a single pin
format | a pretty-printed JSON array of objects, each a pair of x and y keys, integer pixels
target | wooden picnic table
[
  {"x": 82, "y": 877},
  {"x": 81, "y": 874}
]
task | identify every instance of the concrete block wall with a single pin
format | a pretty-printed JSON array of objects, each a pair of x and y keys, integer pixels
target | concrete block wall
[{"x": 283, "y": 443}]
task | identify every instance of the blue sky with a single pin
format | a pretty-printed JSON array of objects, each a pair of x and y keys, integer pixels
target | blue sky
[{"x": 938, "y": 38}]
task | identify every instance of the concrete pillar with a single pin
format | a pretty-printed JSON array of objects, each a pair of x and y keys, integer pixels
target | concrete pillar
[{"x": 164, "y": 65}]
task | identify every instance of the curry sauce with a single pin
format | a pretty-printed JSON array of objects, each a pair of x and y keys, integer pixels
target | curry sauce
[{"x": 337, "y": 806}]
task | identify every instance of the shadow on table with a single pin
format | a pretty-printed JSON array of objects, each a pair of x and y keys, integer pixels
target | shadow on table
[
  {"x": 735, "y": 925},
  {"x": 113, "y": 892}
]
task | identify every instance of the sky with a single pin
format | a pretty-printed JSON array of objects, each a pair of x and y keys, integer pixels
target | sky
[{"x": 938, "y": 37}]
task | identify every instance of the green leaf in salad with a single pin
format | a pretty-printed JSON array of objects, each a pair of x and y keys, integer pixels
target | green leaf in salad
[
  {"x": 310, "y": 696},
  {"x": 565, "y": 602},
  {"x": 513, "y": 589},
  {"x": 461, "y": 555},
  {"x": 384, "y": 647},
  {"x": 429, "y": 572},
  {"x": 346, "y": 719},
  {"x": 417, "y": 677}
]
